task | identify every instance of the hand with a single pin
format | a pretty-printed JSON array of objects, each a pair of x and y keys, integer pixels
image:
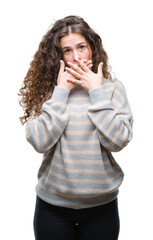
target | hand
[
  {"x": 84, "y": 76},
  {"x": 63, "y": 76}
]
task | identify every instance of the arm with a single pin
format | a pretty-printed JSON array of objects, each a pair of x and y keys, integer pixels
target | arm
[
  {"x": 43, "y": 131},
  {"x": 113, "y": 118}
]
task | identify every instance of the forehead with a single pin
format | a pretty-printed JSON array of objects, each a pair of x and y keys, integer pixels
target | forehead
[{"x": 72, "y": 39}]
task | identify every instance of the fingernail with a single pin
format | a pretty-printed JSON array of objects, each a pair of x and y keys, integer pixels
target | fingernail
[{"x": 69, "y": 63}]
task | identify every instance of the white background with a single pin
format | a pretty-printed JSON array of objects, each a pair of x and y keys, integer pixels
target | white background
[{"x": 126, "y": 30}]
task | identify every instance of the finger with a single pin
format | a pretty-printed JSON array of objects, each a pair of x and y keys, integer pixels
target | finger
[
  {"x": 83, "y": 66},
  {"x": 90, "y": 66},
  {"x": 89, "y": 62},
  {"x": 75, "y": 68},
  {"x": 75, "y": 81},
  {"x": 100, "y": 67},
  {"x": 70, "y": 76},
  {"x": 62, "y": 66},
  {"x": 85, "y": 60},
  {"x": 73, "y": 72}
]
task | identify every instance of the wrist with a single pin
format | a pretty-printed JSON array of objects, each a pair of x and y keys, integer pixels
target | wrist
[
  {"x": 60, "y": 94},
  {"x": 61, "y": 86},
  {"x": 94, "y": 87}
]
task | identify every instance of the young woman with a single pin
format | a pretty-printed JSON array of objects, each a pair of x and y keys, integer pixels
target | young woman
[{"x": 76, "y": 115}]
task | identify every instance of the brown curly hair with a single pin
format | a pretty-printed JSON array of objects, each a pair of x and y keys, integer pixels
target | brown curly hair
[{"x": 41, "y": 78}]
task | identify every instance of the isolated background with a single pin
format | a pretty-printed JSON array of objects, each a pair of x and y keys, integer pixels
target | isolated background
[{"x": 126, "y": 31}]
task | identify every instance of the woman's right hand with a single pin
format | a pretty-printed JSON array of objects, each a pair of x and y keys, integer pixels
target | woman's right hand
[{"x": 63, "y": 76}]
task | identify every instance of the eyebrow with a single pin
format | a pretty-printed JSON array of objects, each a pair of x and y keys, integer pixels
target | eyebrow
[{"x": 76, "y": 45}]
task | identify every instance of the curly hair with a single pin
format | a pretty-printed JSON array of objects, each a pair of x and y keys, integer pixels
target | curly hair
[{"x": 41, "y": 77}]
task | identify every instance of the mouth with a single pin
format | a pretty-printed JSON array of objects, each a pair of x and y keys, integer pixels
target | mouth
[{"x": 76, "y": 64}]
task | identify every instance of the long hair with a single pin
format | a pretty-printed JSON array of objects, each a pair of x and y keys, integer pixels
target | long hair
[{"x": 41, "y": 77}]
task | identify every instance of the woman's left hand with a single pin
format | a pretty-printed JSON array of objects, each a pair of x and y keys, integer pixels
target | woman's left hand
[{"x": 85, "y": 77}]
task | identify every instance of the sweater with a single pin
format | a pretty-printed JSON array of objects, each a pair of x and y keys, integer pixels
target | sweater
[{"x": 77, "y": 131}]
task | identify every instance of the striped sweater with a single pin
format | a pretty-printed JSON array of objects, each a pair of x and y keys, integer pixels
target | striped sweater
[{"x": 76, "y": 131}]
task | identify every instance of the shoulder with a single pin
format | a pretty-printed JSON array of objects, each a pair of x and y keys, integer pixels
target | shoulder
[
  {"x": 109, "y": 84},
  {"x": 114, "y": 87},
  {"x": 115, "y": 83}
]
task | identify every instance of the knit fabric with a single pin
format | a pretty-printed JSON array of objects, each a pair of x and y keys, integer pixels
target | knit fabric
[{"x": 76, "y": 131}]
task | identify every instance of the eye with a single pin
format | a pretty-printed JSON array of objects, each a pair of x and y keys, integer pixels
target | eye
[
  {"x": 81, "y": 47},
  {"x": 67, "y": 51}
]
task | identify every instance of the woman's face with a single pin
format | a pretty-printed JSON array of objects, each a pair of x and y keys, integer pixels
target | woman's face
[{"x": 74, "y": 47}]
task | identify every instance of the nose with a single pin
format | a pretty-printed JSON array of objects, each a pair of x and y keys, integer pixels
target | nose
[{"x": 76, "y": 56}]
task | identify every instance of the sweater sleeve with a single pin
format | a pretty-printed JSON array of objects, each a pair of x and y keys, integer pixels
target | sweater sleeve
[
  {"x": 113, "y": 118},
  {"x": 43, "y": 131}
]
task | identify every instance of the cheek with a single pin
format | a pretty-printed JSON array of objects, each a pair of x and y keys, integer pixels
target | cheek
[
  {"x": 88, "y": 54},
  {"x": 67, "y": 58}
]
